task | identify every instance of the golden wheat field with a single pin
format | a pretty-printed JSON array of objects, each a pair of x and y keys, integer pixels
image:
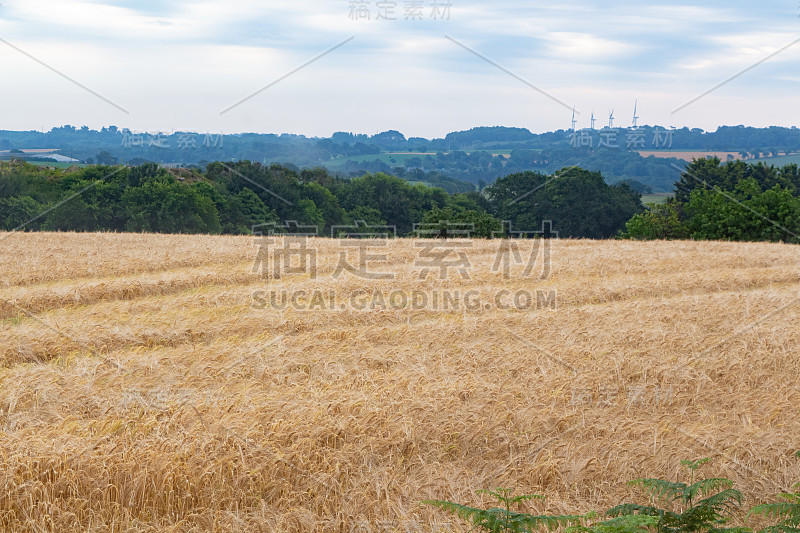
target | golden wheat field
[{"x": 143, "y": 388}]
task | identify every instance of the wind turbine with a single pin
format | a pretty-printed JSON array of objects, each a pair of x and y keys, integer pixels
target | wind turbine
[
  {"x": 611, "y": 119},
  {"x": 593, "y": 119},
  {"x": 574, "y": 122},
  {"x": 635, "y": 116}
]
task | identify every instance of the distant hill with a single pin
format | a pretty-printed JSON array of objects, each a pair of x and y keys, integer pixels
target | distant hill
[{"x": 476, "y": 156}]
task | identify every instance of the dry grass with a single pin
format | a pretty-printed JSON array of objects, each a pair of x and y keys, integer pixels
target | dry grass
[{"x": 141, "y": 391}]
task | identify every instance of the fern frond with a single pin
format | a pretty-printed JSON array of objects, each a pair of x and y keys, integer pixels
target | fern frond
[
  {"x": 730, "y": 530},
  {"x": 706, "y": 486},
  {"x": 711, "y": 510},
  {"x": 694, "y": 465},
  {"x": 660, "y": 488},
  {"x": 579, "y": 529},
  {"x": 728, "y": 499},
  {"x": 527, "y": 522},
  {"x": 470, "y": 514},
  {"x": 786, "y": 510},
  {"x": 627, "y": 509},
  {"x": 780, "y": 528},
  {"x": 628, "y": 524},
  {"x": 498, "y": 519},
  {"x": 504, "y": 495}
]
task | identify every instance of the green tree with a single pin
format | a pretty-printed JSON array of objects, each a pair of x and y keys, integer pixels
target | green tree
[
  {"x": 105, "y": 158},
  {"x": 238, "y": 213},
  {"x": 479, "y": 223},
  {"x": 73, "y": 215},
  {"x": 310, "y": 214},
  {"x": 369, "y": 215},
  {"x": 660, "y": 221},
  {"x": 400, "y": 204},
  {"x": 326, "y": 205},
  {"x": 744, "y": 214},
  {"x": 19, "y": 212},
  {"x": 579, "y": 202},
  {"x": 712, "y": 174},
  {"x": 163, "y": 205}
]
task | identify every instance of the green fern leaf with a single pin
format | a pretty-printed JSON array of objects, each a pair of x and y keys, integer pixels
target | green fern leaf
[{"x": 706, "y": 486}]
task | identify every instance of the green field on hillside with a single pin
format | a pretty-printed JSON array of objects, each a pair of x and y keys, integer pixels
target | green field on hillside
[
  {"x": 779, "y": 161},
  {"x": 392, "y": 159},
  {"x": 53, "y": 164},
  {"x": 656, "y": 198}
]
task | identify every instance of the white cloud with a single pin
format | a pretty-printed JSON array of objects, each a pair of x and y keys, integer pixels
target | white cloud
[
  {"x": 177, "y": 64},
  {"x": 586, "y": 48}
]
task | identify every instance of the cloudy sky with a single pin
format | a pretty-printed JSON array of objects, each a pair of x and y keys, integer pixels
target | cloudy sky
[{"x": 181, "y": 65}]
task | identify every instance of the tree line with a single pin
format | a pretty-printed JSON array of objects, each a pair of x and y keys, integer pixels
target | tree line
[
  {"x": 232, "y": 198},
  {"x": 713, "y": 201},
  {"x": 732, "y": 201}
]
